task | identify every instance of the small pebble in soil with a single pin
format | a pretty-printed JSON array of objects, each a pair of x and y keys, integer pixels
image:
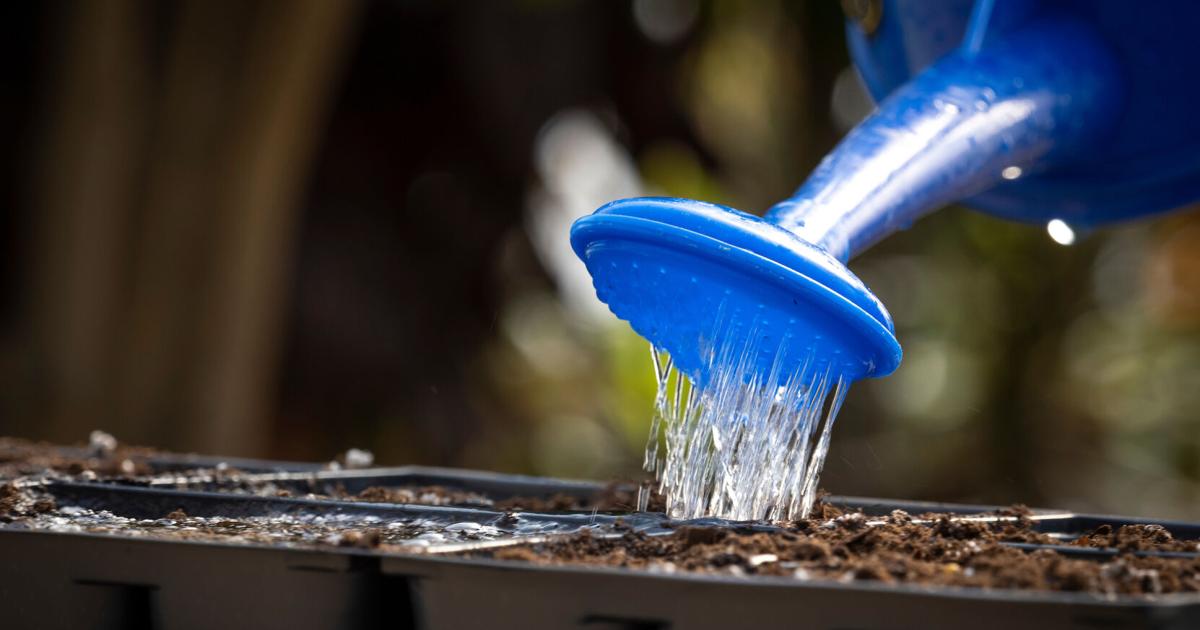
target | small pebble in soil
[
  {"x": 101, "y": 444},
  {"x": 356, "y": 458},
  {"x": 762, "y": 558}
]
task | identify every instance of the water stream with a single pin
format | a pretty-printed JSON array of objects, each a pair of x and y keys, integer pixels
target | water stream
[{"x": 745, "y": 445}]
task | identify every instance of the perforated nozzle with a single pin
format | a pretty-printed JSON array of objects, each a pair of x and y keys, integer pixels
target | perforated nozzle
[{"x": 687, "y": 274}]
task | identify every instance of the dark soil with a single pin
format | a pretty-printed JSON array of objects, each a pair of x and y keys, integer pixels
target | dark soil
[
  {"x": 421, "y": 495},
  {"x": 931, "y": 549},
  {"x": 15, "y": 503},
  {"x": 1136, "y": 538},
  {"x": 945, "y": 552},
  {"x": 616, "y": 496},
  {"x": 102, "y": 456},
  {"x": 31, "y": 508}
]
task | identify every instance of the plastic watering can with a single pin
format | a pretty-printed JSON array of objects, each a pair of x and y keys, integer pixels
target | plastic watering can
[{"x": 1081, "y": 112}]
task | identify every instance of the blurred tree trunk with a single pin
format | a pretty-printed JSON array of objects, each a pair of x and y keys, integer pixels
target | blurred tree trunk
[
  {"x": 167, "y": 192},
  {"x": 86, "y": 184}
]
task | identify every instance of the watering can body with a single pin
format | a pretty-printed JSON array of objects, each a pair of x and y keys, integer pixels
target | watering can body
[
  {"x": 1076, "y": 111},
  {"x": 1144, "y": 159}
]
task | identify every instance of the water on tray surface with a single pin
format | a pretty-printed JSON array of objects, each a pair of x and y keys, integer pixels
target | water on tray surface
[{"x": 744, "y": 446}]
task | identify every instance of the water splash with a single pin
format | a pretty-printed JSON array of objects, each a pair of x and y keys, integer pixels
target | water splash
[{"x": 745, "y": 445}]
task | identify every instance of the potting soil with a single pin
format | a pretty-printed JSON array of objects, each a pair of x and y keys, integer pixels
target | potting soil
[{"x": 938, "y": 551}]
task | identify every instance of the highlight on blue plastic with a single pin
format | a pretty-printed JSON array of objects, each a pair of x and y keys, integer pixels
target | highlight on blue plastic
[{"x": 1081, "y": 111}]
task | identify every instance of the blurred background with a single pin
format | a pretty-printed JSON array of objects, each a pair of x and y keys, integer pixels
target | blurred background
[{"x": 283, "y": 229}]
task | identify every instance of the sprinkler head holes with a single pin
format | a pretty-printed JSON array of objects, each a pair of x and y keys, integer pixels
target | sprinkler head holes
[
  {"x": 686, "y": 274},
  {"x": 763, "y": 325}
]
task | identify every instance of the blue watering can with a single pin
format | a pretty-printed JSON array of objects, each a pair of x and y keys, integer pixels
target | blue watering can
[{"x": 1072, "y": 112}]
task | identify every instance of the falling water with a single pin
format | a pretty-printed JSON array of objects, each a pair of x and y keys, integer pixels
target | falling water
[{"x": 745, "y": 445}]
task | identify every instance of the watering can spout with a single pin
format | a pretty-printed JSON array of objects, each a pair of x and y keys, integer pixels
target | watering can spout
[{"x": 1040, "y": 98}]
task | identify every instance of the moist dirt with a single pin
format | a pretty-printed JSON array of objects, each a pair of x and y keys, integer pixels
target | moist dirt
[
  {"x": 937, "y": 550},
  {"x": 1001, "y": 550}
]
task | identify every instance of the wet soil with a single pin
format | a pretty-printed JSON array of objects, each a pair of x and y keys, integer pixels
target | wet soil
[
  {"x": 930, "y": 549},
  {"x": 16, "y": 502},
  {"x": 24, "y": 504},
  {"x": 616, "y": 496},
  {"x": 420, "y": 495},
  {"x": 937, "y": 551},
  {"x": 1135, "y": 538},
  {"x": 104, "y": 458},
  {"x": 30, "y": 507}
]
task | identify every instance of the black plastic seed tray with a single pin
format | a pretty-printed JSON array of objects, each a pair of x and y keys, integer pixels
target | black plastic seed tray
[
  {"x": 139, "y": 503},
  {"x": 493, "y": 486},
  {"x": 171, "y": 462},
  {"x": 69, "y": 574},
  {"x": 163, "y": 462}
]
